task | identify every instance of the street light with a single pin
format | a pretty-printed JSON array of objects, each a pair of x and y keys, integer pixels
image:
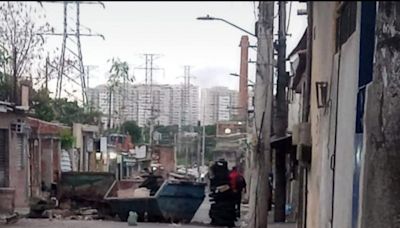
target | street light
[
  {"x": 209, "y": 18},
  {"x": 236, "y": 75}
]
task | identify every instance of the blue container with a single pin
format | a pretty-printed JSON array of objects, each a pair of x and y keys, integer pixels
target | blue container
[
  {"x": 179, "y": 201},
  {"x": 175, "y": 201}
]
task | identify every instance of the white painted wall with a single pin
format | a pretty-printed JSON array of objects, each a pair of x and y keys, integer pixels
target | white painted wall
[
  {"x": 294, "y": 111},
  {"x": 320, "y": 175},
  {"x": 345, "y": 151},
  {"x": 324, "y": 68}
]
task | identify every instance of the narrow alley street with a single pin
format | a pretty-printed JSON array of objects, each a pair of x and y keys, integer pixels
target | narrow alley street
[
  {"x": 245, "y": 114},
  {"x": 201, "y": 219},
  {"x": 45, "y": 223}
]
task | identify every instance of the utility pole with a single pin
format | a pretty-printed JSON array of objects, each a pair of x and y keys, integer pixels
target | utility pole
[
  {"x": 198, "y": 150},
  {"x": 88, "y": 68},
  {"x": 188, "y": 97},
  {"x": 47, "y": 74},
  {"x": 186, "y": 107},
  {"x": 109, "y": 107},
  {"x": 15, "y": 79},
  {"x": 186, "y": 156},
  {"x": 259, "y": 190},
  {"x": 149, "y": 68},
  {"x": 281, "y": 118},
  {"x": 203, "y": 145},
  {"x": 180, "y": 128},
  {"x": 189, "y": 110}
]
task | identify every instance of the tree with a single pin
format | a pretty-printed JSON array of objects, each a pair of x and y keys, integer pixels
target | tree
[
  {"x": 119, "y": 74},
  {"x": 131, "y": 128},
  {"x": 92, "y": 117},
  {"x": 62, "y": 110},
  {"x": 68, "y": 112},
  {"x": 211, "y": 129},
  {"x": 5, "y": 82},
  {"x": 20, "y": 35},
  {"x": 119, "y": 71},
  {"x": 67, "y": 139},
  {"x": 43, "y": 105}
]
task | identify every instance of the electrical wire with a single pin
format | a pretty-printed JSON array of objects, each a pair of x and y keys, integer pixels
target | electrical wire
[{"x": 290, "y": 13}]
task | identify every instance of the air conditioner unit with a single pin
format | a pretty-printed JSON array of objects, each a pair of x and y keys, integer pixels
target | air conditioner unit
[{"x": 18, "y": 128}]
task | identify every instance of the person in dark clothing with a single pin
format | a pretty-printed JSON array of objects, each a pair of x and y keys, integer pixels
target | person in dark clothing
[
  {"x": 151, "y": 182},
  {"x": 238, "y": 186}
]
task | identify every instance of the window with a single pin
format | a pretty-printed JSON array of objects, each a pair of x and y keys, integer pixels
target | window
[
  {"x": 20, "y": 151},
  {"x": 3, "y": 158},
  {"x": 346, "y": 22}
]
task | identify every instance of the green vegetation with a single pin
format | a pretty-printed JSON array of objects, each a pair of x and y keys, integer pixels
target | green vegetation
[
  {"x": 62, "y": 110},
  {"x": 67, "y": 140},
  {"x": 131, "y": 128}
]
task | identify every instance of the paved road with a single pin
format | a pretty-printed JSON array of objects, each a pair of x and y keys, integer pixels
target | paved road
[
  {"x": 45, "y": 223},
  {"x": 201, "y": 219}
]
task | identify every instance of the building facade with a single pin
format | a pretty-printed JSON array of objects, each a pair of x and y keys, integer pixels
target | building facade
[
  {"x": 167, "y": 104},
  {"x": 218, "y": 104},
  {"x": 340, "y": 186}
]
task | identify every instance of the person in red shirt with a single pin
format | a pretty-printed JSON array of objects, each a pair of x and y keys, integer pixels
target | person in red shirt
[{"x": 237, "y": 184}]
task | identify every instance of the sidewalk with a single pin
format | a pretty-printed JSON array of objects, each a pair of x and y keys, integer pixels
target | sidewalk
[
  {"x": 271, "y": 224},
  {"x": 201, "y": 216}
]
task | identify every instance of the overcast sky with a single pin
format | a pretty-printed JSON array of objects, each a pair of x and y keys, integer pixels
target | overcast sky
[{"x": 171, "y": 30}]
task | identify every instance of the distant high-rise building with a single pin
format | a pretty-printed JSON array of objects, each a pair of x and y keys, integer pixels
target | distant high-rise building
[
  {"x": 180, "y": 108},
  {"x": 218, "y": 103},
  {"x": 165, "y": 104}
]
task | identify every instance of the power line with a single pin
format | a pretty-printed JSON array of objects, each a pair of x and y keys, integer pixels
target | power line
[
  {"x": 290, "y": 13},
  {"x": 254, "y": 10},
  {"x": 73, "y": 37}
]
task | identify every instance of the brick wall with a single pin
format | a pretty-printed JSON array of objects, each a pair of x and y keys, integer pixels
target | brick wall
[{"x": 166, "y": 158}]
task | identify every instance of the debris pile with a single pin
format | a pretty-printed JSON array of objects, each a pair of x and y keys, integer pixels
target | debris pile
[
  {"x": 132, "y": 193},
  {"x": 7, "y": 206},
  {"x": 47, "y": 208}
]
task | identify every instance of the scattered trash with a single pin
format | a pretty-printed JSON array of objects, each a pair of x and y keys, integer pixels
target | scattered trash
[
  {"x": 38, "y": 207},
  {"x": 9, "y": 218},
  {"x": 50, "y": 215},
  {"x": 87, "y": 211},
  {"x": 132, "y": 219},
  {"x": 131, "y": 193}
]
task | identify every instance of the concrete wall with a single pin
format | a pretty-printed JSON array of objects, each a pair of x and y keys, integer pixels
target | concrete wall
[
  {"x": 329, "y": 136},
  {"x": 381, "y": 174},
  {"x": 19, "y": 178},
  {"x": 345, "y": 150},
  {"x": 83, "y": 134},
  {"x": 18, "y": 166},
  {"x": 320, "y": 177},
  {"x": 46, "y": 161},
  {"x": 294, "y": 111}
]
